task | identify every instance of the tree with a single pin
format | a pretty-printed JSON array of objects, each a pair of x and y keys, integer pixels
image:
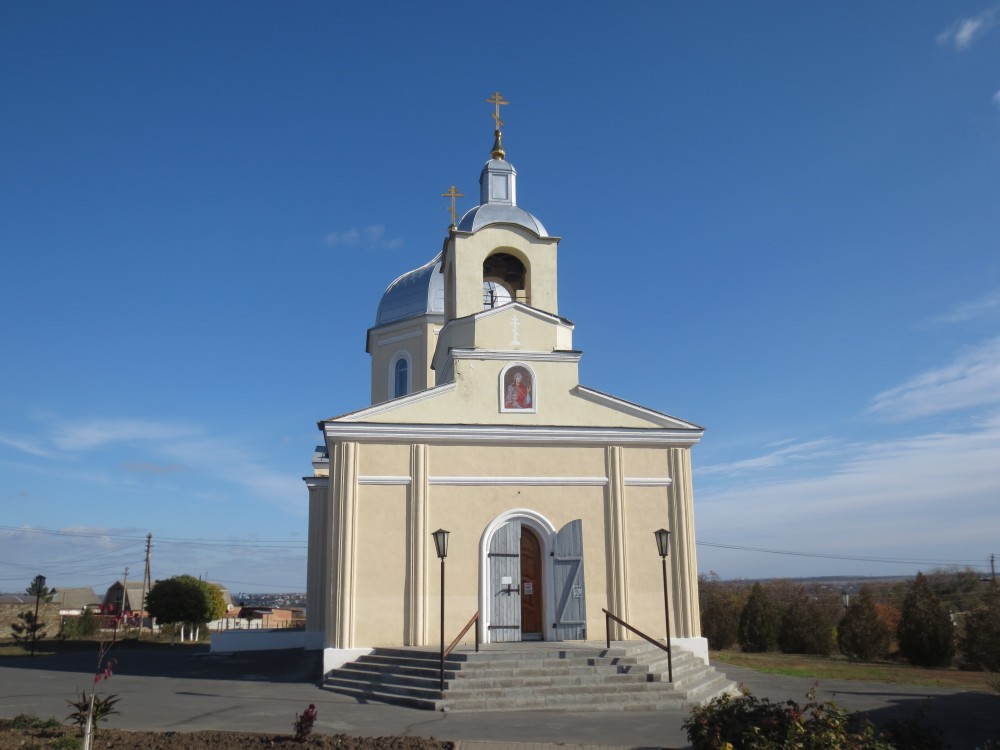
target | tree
[
  {"x": 26, "y": 630},
  {"x": 720, "y": 605},
  {"x": 758, "y": 628},
  {"x": 981, "y": 642},
  {"x": 805, "y": 628},
  {"x": 926, "y": 634},
  {"x": 29, "y": 628},
  {"x": 862, "y": 634},
  {"x": 38, "y": 589},
  {"x": 216, "y": 600},
  {"x": 181, "y": 599}
]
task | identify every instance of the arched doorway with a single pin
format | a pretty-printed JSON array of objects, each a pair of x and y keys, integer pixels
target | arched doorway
[{"x": 532, "y": 584}]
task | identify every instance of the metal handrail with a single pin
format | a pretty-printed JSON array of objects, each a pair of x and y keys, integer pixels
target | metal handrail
[
  {"x": 608, "y": 617},
  {"x": 475, "y": 618},
  {"x": 444, "y": 653}
]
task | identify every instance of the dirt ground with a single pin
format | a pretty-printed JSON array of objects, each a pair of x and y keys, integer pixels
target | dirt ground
[{"x": 12, "y": 738}]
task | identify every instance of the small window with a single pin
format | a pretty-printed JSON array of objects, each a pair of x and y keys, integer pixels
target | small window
[{"x": 401, "y": 375}]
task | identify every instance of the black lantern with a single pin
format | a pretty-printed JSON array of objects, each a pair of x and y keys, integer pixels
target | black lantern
[
  {"x": 441, "y": 543},
  {"x": 662, "y": 541},
  {"x": 663, "y": 547}
]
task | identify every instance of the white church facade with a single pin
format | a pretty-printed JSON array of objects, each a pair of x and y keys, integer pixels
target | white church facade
[{"x": 551, "y": 491}]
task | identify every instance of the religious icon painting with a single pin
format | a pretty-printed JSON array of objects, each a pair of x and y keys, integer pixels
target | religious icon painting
[{"x": 517, "y": 389}]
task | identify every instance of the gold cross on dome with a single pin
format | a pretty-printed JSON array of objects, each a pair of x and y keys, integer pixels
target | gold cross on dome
[
  {"x": 497, "y": 100},
  {"x": 453, "y": 194}
]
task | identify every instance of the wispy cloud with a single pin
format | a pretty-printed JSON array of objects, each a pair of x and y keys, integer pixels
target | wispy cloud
[
  {"x": 986, "y": 305},
  {"x": 927, "y": 497},
  {"x": 790, "y": 452},
  {"x": 964, "y": 32},
  {"x": 146, "y": 467},
  {"x": 996, "y": 100},
  {"x": 223, "y": 465},
  {"x": 86, "y": 435},
  {"x": 971, "y": 380},
  {"x": 371, "y": 237},
  {"x": 30, "y": 447}
]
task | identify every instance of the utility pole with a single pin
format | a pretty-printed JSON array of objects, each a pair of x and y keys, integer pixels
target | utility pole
[
  {"x": 993, "y": 569},
  {"x": 146, "y": 585}
]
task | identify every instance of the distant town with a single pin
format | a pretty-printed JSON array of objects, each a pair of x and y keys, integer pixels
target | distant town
[{"x": 295, "y": 599}]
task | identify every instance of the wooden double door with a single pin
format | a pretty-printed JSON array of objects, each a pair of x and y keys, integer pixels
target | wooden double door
[{"x": 519, "y": 577}]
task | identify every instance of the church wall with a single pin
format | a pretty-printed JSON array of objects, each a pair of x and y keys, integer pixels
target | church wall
[
  {"x": 645, "y": 512},
  {"x": 417, "y": 339},
  {"x": 646, "y": 462},
  {"x": 498, "y": 331},
  {"x": 517, "y": 461},
  {"x": 380, "y": 570},
  {"x": 384, "y": 460}
]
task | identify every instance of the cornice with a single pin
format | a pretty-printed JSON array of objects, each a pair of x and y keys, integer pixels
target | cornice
[
  {"x": 505, "y": 434},
  {"x": 516, "y": 354}
]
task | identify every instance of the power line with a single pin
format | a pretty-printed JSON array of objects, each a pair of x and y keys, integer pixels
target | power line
[{"x": 858, "y": 558}]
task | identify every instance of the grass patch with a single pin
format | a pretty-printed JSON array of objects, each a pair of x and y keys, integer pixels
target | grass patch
[{"x": 839, "y": 668}]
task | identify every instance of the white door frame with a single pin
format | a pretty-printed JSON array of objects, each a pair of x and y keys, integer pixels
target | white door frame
[{"x": 547, "y": 536}]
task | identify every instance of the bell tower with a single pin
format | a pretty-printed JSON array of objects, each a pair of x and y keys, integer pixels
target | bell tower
[{"x": 498, "y": 253}]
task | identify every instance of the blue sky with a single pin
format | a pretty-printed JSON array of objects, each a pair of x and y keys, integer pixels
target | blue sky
[{"x": 779, "y": 221}]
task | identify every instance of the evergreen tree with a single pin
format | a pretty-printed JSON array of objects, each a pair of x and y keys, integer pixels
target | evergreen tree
[
  {"x": 758, "y": 629},
  {"x": 981, "y": 642},
  {"x": 862, "y": 634},
  {"x": 926, "y": 634},
  {"x": 805, "y": 628},
  {"x": 26, "y": 630},
  {"x": 720, "y": 605}
]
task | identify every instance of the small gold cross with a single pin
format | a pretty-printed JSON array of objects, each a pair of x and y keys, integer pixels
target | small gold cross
[
  {"x": 453, "y": 194},
  {"x": 497, "y": 100}
]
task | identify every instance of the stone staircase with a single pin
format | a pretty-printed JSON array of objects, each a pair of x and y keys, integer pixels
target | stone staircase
[{"x": 630, "y": 676}]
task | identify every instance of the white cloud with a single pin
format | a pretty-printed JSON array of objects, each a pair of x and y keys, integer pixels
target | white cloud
[
  {"x": 26, "y": 446},
  {"x": 85, "y": 435},
  {"x": 966, "y": 30},
  {"x": 929, "y": 497},
  {"x": 372, "y": 237},
  {"x": 972, "y": 380},
  {"x": 789, "y": 452},
  {"x": 977, "y": 308}
]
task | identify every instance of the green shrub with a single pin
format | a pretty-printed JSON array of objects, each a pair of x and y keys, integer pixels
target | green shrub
[
  {"x": 981, "y": 641},
  {"x": 805, "y": 628},
  {"x": 66, "y": 743},
  {"x": 748, "y": 723},
  {"x": 862, "y": 634},
  {"x": 758, "y": 628},
  {"x": 720, "y": 605},
  {"x": 926, "y": 634}
]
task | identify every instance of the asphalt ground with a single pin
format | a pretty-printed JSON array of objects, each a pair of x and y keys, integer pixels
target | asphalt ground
[{"x": 184, "y": 688}]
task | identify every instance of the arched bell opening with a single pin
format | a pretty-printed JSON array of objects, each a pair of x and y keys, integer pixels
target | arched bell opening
[{"x": 504, "y": 280}]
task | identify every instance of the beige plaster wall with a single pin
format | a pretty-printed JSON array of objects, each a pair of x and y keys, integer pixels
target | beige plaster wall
[
  {"x": 517, "y": 460},
  {"x": 420, "y": 348},
  {"x": 381, "y": 564},
  {"x": 385, "y": 459}
]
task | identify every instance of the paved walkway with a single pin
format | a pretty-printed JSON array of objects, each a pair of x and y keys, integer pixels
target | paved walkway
[{"x": 185, "y": 689}]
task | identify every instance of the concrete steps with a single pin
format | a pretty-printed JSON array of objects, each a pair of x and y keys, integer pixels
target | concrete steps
[{"x": 630, "y": 676}]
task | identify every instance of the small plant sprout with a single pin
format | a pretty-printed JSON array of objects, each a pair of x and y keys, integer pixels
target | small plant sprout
[{"x": 304, "y": 723}]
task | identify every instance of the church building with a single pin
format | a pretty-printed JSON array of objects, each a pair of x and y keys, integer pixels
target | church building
[{"x": 479, "y": 425}]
